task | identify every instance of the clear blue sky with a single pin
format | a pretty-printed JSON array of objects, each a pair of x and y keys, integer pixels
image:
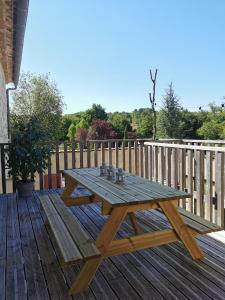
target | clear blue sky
[{"x": 101, "y": 51}]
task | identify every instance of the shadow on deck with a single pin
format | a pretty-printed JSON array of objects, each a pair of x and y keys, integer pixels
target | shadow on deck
[{"x": 29, "y": 260}]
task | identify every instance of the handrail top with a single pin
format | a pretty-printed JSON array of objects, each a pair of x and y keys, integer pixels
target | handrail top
[{"x": 188, "y": 147}]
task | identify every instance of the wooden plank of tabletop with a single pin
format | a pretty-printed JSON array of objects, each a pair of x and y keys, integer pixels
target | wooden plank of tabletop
[
  {"x": 114, "y": 188},
  {"x": 156, "y": 187},
  {"x": 130, "y": 190},
  {"x": 130, "y": 193},
  {"x": 141, "y": 184},
  {"x": 94, "y": 188}
]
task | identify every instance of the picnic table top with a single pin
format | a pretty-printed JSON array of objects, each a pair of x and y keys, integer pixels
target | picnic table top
[{"x": 134, "y": 190}]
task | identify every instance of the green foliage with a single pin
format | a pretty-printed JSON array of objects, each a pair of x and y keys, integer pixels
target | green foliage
[
  {"x": 145, "y": 125},
  {"x": 72, "y": 132},
  {"x": 29, "y": 150},
  {"x": 38, "y": 96},
  {"x": 121, "y": 123},
  {"x": 213, "y": 126},
  {"x": 212, "y": 130},
  {"x": 170, "y": 118},
  {"x": 94, "y": 113}
]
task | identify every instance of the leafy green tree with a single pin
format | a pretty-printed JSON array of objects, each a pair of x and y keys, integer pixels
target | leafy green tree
[
  {"x": 38, "y": 96},
  {"x": 145, "y": 126},
  {"x": 212, "y": 130},
  {"x": 121, "y": 122},
  {"x": 169, "y": 120},
  {"x": 213, "y": 126},
  {"x": 91, "y": 114},
  {"x": 190, "y": 123},
  {"x": 72, "y": 132}
]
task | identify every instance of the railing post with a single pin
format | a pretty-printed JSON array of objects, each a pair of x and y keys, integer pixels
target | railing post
[
  {"x": 208, "y": 189},
  {"x": 110, "y": 152},
  {"x": 2, "y": 149},
  {"x": 95, "y": 154},
  {"x": 49, "y": 172},
  {"x": 116, "y": 153},
  {"x": 88, "y": 155},
  {"x": 168, "y": 166},
  {"x": 146, "y": 161},
  {"x": 190, "y": 180},
  {"x": 65, "y": 156},
  {"x": 81, "y": 146},
  {"x": 219, "y": 188},
  {"x": 73, "y": 154},
  {"x": 123, "y": 155},
  {"x": 200, "y": 182},
  {"x": 135, "y": 158}
]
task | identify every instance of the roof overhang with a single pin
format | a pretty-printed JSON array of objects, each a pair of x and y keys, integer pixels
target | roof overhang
[{"x": 13, "y": 17}]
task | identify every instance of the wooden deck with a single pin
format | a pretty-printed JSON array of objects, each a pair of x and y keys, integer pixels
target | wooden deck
[{"x": 29, "y": 260}]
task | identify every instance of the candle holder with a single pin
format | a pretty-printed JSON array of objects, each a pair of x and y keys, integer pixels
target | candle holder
[
  {"x": 103, "y": 170},
  {"x": 110, "y": 172},
  {"x": 119, "y": 176}
]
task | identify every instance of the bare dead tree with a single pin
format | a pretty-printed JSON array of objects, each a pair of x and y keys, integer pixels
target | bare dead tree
[{"x": 153, "y": 101}]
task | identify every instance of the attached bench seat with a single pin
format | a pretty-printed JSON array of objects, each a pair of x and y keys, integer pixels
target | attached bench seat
[
  {"x": 197, "y": 223},
  {"x": 74, "y": 243}
]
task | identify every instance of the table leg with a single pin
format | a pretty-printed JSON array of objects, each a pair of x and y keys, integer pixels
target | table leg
[
  {"x": 103, "y": 241},
  {"x": 85, "y": 276},
  {"x": 134, "y": 223},
  {"x": 69, "y": 188},
  {"x": 181, "y": 229},
  {"x": 110, "y": 228}
]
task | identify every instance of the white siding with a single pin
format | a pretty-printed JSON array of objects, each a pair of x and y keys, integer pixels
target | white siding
[{"x": 3, "y": 109}]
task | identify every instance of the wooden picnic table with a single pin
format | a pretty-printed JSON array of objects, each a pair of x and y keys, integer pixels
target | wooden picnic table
[{"x": 120, "y": 200}]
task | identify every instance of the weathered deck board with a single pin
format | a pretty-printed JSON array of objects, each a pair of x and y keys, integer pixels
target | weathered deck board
[{"x": 30, "y": 269}]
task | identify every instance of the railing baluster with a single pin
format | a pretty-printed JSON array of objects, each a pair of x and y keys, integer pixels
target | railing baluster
[
  {"x": 135, "y": 158},
  {"x": 110, "y": 152},
  {"x": 95, "y": 154},
  {"x": 103, "y": 152},
  {"x": 200, "y": 182},
  {"x": 174, "y": 176},
  {"x": 190, "y": 180},
  {"x": 168, "y": 166},
  {"x": 182, "y": 178},
  {"x": 146, "y": 161},
  {"x": 57, "y": 162},
  {"x": 141, "y": 159},
  {"x": 208, "y": 188},
  {"x": 150, "y": 162},
  {"x": 129, "y": 157},
  {"x": 3, "y": 169},
  {"x": 73, "y": 154},
  {"x": 116, "y": 154},
  {"x": 162, "y": 165},
  {"x": 65, "y": 156},
  {"x": 49, "y": 172},
  {"x": 81, "y": 154},
  {"x": 156, "y": 162},
  {"x": 123, "y": 156},
  {"x": 88, "y": 155},
  {"x": 219, "y": 188}
]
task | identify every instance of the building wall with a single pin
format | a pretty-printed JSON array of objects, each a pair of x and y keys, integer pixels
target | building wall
[{"x": 3, "y": 109}]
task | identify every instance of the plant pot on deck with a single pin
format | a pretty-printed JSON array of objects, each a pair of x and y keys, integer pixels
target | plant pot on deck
[{"x": 25, "y": 189}]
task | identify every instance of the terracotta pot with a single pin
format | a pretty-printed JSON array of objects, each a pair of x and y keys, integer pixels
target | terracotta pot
[{"x": 25, "y": 189}]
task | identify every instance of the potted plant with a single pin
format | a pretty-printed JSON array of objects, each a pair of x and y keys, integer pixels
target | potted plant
[{"x": 28, "y": 153}]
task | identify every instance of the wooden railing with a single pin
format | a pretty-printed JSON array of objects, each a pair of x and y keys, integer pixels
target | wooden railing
[{"x": 198, "y": 170}]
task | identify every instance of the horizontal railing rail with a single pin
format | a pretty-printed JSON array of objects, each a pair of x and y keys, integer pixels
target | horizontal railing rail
[{"x": 197, "y": 169}]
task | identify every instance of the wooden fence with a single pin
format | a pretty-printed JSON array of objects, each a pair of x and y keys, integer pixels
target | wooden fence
[{"x": 198, "y": 170}]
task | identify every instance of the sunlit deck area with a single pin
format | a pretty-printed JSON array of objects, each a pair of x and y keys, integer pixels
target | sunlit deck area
[{"x": 30, "y": 269}]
